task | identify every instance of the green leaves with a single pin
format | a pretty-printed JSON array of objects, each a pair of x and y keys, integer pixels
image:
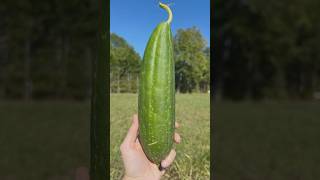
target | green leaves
[
  {"x": 192, "y": 60},
  {"x": 266, "y": 48},
  {"x": 124, "y": 65}
]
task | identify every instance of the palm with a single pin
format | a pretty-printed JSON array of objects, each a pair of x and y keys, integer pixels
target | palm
[
  {"x": 140, "y": 163},
  {"x": 136, "y": 163}
]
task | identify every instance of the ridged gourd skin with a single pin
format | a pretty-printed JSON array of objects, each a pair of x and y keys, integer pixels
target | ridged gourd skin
[{"x": 156, "y": 102}]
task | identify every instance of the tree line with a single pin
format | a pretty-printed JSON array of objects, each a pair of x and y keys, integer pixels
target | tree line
[
  {"x": 192, "y": 63},
  {"x": 266, "y": 49},
  {"x": 47, "y": 49},
  {"x": 261, "y": 49}
]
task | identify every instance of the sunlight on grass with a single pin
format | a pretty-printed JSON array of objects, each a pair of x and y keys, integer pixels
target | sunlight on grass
[{"x": 193, "y": 154}]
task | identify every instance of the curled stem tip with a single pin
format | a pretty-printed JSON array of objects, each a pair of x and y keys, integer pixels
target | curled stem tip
[{"x": 166, "y": 7}]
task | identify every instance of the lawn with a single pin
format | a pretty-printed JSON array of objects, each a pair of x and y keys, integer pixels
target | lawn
[
  {"x": 253, "y": 141},
  {"x": 267, "y": 140},
  {"x": 43, "y": 140},
  {"x": 193, "y": 154},
  {"x": 49, "y": 140}
]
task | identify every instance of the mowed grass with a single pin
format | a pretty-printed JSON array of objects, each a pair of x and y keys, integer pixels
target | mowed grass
[
  {"x": 253, "y": 141},
  {"x": 43, "y": 140},
  {"x": 193, "y": 154},
  {"x": 267, "y": 140}
]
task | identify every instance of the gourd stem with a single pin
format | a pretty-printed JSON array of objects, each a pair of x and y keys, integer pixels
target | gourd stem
[{"x": 166, "y": 7}]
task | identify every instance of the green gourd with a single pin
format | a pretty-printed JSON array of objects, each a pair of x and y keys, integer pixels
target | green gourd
[{"x": 156, "y": 102}]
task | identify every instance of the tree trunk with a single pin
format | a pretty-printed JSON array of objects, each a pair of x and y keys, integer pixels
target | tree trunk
[
  {"x": 4, "y": 56},
  {"x": 137, "y": 87},
  {"x": 280, "y": 83},
  {"x": 197, "y": 87},
  {"x": 59, "y": 62},
  {"x": 111, "y": 81},
  {"x": 27, "y": 66},
  {"x": 118, "y": 81},
  {"x": 88, "y": 64},
  {"x": 178, "y": 83},
  {"x": 129, "y": 83},
  {"x": 66, "y": 50},
  {"x": 177, "y": 87}
]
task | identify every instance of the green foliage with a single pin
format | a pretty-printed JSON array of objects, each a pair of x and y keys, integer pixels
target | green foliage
[
  {"x": 266, "y": 49},
  {"x": 124, "y": 65},
  {"x": 48, "y": 47},
  {"x": 263, "y": 49},
  {"x": 192, "y": 62}
]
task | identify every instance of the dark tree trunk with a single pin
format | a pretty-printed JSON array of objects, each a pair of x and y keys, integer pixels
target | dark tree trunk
[
  {"x": 59, "y": 62},
  {"x": 27, "y": 76},
  {"x": 64, "y": 64},
  {"x": 88, "y": 64}
]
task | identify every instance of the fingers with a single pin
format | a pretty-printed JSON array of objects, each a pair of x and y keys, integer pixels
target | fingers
[
  {"x": 133, "y": 131},
  {"x": 177, "y": 138},
  {"x": 169, "y": 159},
  {"x": 177, "y": 125}
]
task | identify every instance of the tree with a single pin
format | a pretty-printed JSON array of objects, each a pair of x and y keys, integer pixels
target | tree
[
  {"x": 49, "y": 48},
  {"x": 191, "y": 62},
  {"x": 266, "y": 49},
  {"x": 124, "y": 65}
]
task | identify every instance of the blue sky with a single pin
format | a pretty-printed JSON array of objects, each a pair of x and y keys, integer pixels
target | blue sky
[{"x": 135, "y": 20}]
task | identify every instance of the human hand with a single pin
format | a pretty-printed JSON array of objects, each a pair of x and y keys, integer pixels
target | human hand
[{"x": 137, "y": 165}]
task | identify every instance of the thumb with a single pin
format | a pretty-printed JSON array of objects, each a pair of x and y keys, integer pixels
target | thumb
[{"x": 133, "y": 131}]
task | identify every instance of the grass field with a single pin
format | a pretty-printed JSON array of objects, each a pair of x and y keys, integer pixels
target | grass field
[
  {"x": 270, "y": 140},
  {"x": 254, "y": 141},
  {"x": 43, "y": 140},
  {"x": 193, "y": 154}
]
